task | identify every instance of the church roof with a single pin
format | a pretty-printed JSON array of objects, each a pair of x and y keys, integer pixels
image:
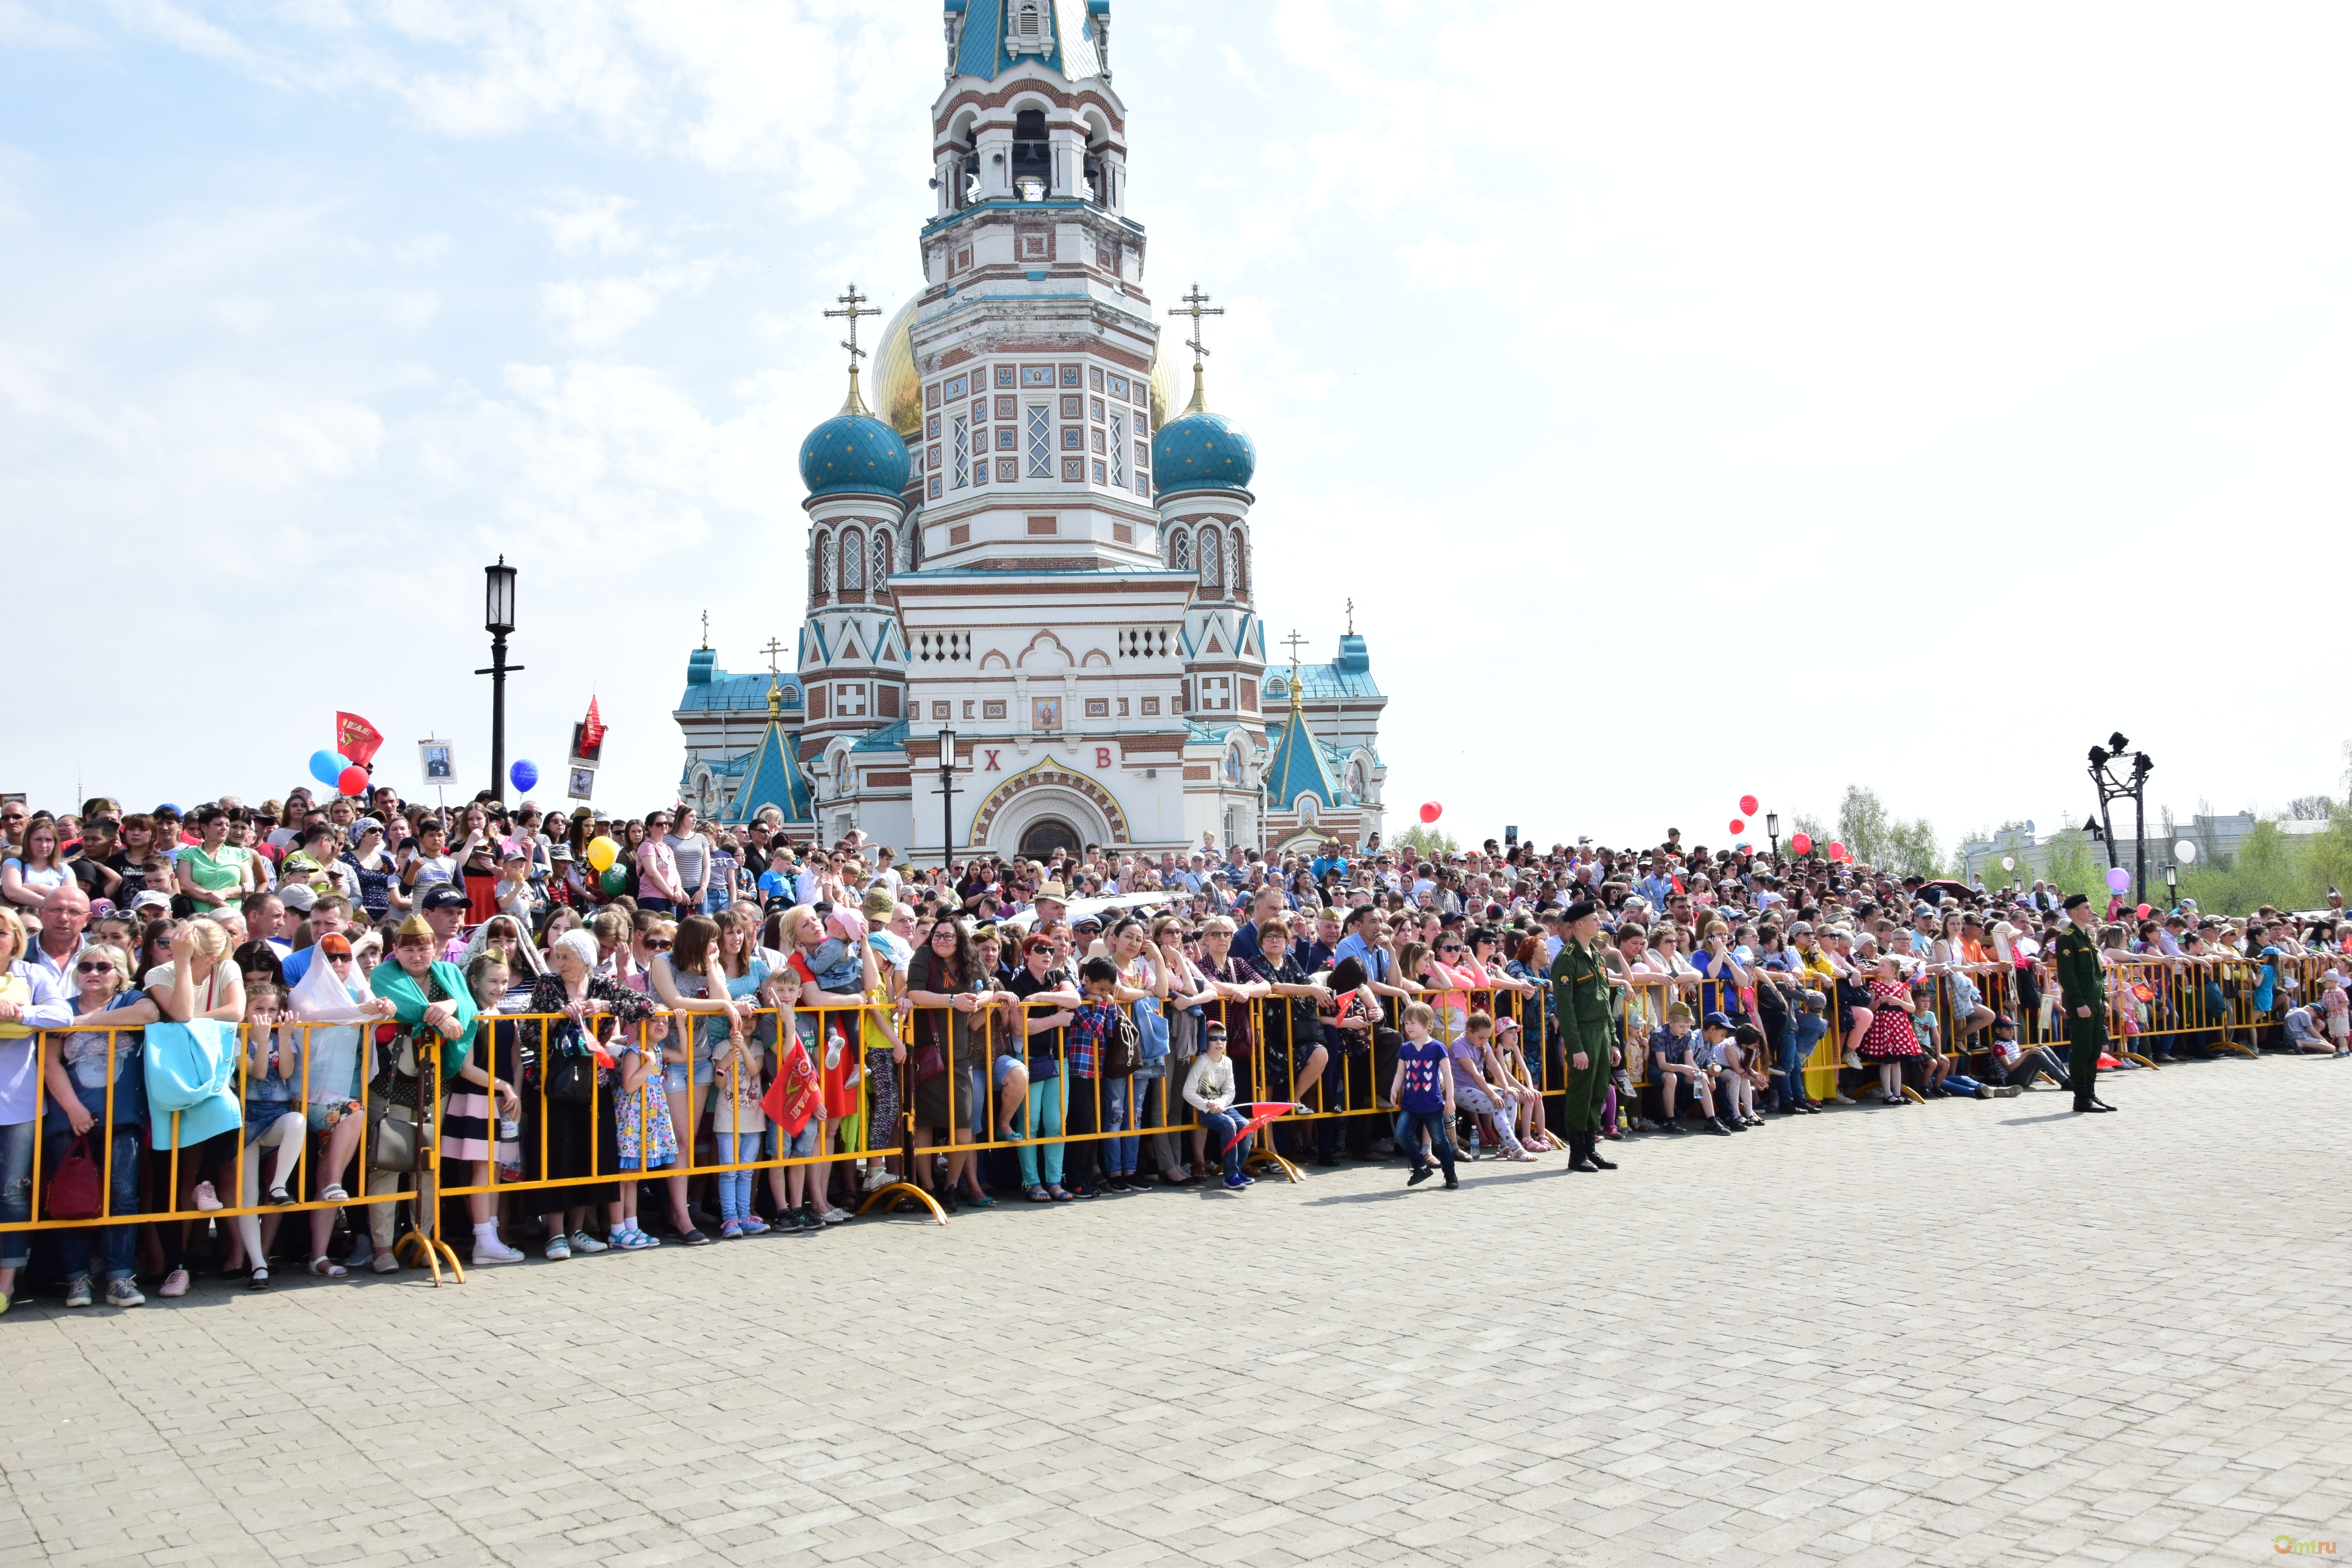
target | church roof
[
  {"x": 984, "y": 50},
  {"x": 711, "y": 689},
  {"x": 1294, "y": 766},
  {"x": 772, "y": 776},
  {"x": 890, "y": 738},
  {"x": 1349, "y": 675}
]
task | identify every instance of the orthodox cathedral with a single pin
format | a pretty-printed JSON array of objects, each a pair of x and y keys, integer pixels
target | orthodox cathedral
[{"x": 1033, "y": 615}]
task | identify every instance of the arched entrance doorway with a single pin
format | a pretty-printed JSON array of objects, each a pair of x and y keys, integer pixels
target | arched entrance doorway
[{"x": 1047, "y": 834}]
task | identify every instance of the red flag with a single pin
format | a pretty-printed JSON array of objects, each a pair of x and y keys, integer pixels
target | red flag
[
  {"x": 591, "y": 733},
  {"x": 356, "y": 738},
  {"x": 1259, "y": 1114}
]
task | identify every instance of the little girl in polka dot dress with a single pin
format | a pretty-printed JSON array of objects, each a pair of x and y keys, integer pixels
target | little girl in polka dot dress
[{"x": 1891, "y": 1037}]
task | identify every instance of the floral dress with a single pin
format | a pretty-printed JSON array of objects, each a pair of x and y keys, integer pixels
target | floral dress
[
  {"x": 643, "y": 1117},
  {"x": 1890, "y": 1036}
]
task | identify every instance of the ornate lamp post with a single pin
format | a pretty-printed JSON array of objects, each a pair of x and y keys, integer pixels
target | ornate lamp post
[{"x": 498, "y": 619}]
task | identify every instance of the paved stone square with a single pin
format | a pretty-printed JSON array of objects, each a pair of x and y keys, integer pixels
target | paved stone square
[{"x": 1958, "y": 1334}]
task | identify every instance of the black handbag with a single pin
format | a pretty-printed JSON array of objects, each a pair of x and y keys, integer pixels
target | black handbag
[{"x": 571, "y": 1074}]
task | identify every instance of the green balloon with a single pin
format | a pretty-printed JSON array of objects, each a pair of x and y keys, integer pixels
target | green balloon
[{"x": 616, "y": 882}]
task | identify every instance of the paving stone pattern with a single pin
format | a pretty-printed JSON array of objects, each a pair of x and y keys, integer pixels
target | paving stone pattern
[{"x": 1958, "y": 1333}]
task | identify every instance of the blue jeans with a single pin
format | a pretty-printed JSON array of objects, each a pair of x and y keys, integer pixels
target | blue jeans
[
  {"x": 1223, "y": 1126},
  {"x": 16, "y": 1193},
  {"x": 735, "y": 1186},
  {"x": 1412, "y": 1125},
  {"x": 1804, "y": 1032},
  {"x": 1044, "y": 1121},
  {"x": 1118, "y": 1153}
]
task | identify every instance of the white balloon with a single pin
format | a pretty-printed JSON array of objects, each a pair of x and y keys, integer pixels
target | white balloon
[
  {"x": 2008, "y": 862},
  {"x": 2185, "y": 851}
]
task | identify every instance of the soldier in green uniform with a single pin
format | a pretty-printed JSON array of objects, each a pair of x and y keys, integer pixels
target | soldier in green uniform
[
  {"x": 2082, "y": 997},
  {"x": 1579, "y": 989}
]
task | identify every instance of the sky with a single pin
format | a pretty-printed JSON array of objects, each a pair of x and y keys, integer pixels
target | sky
[{"x": 1694, "y": 401}]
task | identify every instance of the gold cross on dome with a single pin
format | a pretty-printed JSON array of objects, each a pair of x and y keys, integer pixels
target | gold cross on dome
[
  {"x": 771, "y": 651},
  {"x": 1194, "y": 307},
  {"x": 850, "y": 303},
  {"x": 1294, "y": 642}
]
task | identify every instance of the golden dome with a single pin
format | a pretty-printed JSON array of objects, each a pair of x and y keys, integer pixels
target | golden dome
[{"x": 899, "y": 389}]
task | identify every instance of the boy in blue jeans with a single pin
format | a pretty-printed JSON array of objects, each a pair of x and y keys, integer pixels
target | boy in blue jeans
[{"x": 1423, "y": 1092}]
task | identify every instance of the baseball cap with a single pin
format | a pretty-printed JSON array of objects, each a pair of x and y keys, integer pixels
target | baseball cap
[
  {"x": 298, "y": 896},
  {"x": 151, "y": 900},
  {"x": 444, "y": 898},
  {"x": 1721, "y": 1021}
]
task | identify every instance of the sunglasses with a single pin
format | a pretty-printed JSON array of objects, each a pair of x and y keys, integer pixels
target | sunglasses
[
  {"x": 100, "y": 968},
  {"x": 657, "y": 945}
]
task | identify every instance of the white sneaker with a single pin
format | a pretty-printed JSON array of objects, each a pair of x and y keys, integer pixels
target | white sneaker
[
  {"x": 587, "y": 1245},
  {"x": 207, "y": 1200},
  {"x": 488, "y": 1251},
  {"x": 879, "y": 1178}
]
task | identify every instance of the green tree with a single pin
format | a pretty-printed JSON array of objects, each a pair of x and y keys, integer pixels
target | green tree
[
  {"x": 1426, "y": 843},
  {"x": 1863, "y": 825},
  {"x": 1911, "y": 850},
  {"x": 2074, "y": 864}
]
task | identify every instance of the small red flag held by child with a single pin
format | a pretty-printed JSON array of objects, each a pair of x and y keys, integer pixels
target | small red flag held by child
[{"x": 1258, "y": 1115}]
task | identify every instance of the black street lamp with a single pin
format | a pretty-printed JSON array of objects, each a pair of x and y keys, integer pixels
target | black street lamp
[
  {"x": 947, "y": 799},
  {"x": 2111, "y": 788},
  {"x": 1772, "y": 831},
  {"x": 2173, "y": 885},
  {"x": 498, "y": 619}
]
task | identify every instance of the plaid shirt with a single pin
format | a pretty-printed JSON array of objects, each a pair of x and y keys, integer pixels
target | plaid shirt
[{"x": 1094, "y": 1022}]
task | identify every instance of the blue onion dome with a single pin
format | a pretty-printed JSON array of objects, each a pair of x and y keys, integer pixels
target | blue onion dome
[
  {"x": 1198, "y": 450},
  {"x": 854, "y": 453}
]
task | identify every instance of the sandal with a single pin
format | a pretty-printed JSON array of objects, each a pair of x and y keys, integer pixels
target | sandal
[
  {"x": 1058, "y": 1195},
  {"x": 333, "y": 1194},
  {"x": 1037, "y": 1194},
  {"x": 327, "y": 1268},
  {"x": 981, "y": 1202}
]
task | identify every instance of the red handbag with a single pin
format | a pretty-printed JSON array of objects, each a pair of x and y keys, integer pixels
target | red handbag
[{"x": 75, "y": 1191}]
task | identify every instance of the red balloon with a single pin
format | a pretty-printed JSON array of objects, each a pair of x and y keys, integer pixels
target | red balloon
[
  {"x": 2145, "y": 911},
  {"x": 1747, "y": 806},
  {"x": 1738, "y": 827},
  {"x": 352, "y": 780},
  {"x": 1837, "y": 850},
  {"x": 1431, "y": 811},
  {"x": 1802, "y": 843}
]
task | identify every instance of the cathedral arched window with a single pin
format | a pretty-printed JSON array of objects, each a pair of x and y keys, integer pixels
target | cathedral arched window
[
  {"x": 1241, "y": 563},
  {"x": 825, "y": 562},
  {"x": 882, "y": 554},
  {"x": 1180, "y": 550},
  {"x": 853, "y": 561},
  {"x": 1212, "y": 561}
]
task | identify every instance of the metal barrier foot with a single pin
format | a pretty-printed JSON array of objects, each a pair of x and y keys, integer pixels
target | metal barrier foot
[
  {"x": 423, "y": 1256},
  {"x": 2136, "y": 1057},
  {"x": 1913, "y": 1096},
  {"x": 898, "y": 1190},
  {"x": 1268, "y": 1156}
]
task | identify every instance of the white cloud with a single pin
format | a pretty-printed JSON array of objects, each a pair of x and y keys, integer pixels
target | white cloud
[
  {"x": 584, "y": 222},
  {"x": 594, "y": 313}
]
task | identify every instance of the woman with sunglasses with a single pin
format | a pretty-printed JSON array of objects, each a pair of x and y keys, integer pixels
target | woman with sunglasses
[
  {"x": 947, "y": 989},
  {"x": 1045, "y": 996},
  {"x": 95, "y": 1085}
]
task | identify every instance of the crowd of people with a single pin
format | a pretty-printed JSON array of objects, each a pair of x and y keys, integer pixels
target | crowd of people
[{"x": 279, "y": 1027}]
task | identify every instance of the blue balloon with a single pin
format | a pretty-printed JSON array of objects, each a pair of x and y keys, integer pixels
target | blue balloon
[
  {"x": 524, "y": 773},
  {"x": 327, "y": 767}
]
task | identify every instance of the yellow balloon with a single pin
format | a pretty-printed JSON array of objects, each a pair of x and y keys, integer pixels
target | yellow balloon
[{"x": 603, "y": 852}]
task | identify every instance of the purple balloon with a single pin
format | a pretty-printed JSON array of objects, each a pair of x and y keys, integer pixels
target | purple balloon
[{"x": 2118, "y": 879}]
